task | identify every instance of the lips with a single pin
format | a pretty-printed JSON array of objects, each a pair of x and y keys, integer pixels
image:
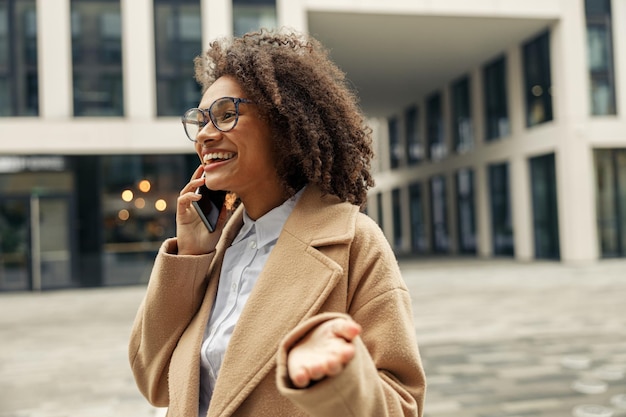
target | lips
[{"x": 217, "y": 157}]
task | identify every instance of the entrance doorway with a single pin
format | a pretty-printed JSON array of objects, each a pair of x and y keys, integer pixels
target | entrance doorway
[{"x": 35, "y": 243}]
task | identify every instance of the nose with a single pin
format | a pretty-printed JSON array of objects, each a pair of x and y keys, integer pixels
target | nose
[{"x": 208, "y": 133}]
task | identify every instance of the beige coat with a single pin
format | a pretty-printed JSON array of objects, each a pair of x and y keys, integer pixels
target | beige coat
[{"x": 330, "y": 260}]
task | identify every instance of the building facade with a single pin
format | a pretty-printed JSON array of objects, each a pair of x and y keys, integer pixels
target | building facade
[{"x": 499, "y": 128}]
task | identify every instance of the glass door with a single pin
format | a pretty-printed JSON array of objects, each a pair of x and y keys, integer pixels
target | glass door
[
  {"x": 52, "y": 259},
  {"x": 35, "y": 243},
  {"x": 14, "y": 244}
]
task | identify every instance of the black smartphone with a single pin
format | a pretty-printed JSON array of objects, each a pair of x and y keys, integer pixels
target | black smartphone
[{"x": 209, "y": 206}]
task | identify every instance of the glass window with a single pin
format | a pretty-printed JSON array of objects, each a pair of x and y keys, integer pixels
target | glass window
[
  {"x": 600, "y": 57},
  {"x": 418, "y": 232},
  {"x": 439, "y": 214},
  {"x": 251, "y": 15},
  {"x": 139, "y": 195},
  {"x": 414, "y": 149},
  {"x": 496, "y": 108},
  {"x": 395, "y": 149},
  {"x": 545, "y": 212},
  {"x": 178, "y": 40},
  {"x": 466, "y": 212},
  {"x": 97, "y": 58},
  {"x": 434, "y": 127},
  {"x": 537, "y": 80},
  {"x": 611, "y": 200},
  {"x": 396, "y": 199},
  {"x": 461, "y": 116},
  {"x": 501, "y": 218},
  {"x": 19, "y": 86},
  {"x": 379, "y": 207}
]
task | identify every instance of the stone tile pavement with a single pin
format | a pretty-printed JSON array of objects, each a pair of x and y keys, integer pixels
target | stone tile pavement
[{"x": 498, "y": 338}]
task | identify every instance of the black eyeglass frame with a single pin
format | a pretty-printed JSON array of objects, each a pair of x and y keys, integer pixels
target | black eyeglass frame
[{"x": 211, "y": 117}]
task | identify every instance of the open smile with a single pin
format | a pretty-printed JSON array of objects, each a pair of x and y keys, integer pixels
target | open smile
[{"x": 213, "y": 157}]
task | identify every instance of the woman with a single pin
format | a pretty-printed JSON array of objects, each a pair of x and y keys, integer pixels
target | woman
[{"x": 294, "y": 305}]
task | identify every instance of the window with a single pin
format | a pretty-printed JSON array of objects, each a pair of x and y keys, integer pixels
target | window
[
  {"x": 139, "y": 194},
  {"x": 19, "y": 87},
  {"x": 610, "y": 165},
  {"x": 379, "y": 208},
  {"x": 396, "y": 199},
  {"x": 537, "y": 80},
  {"x": 496, "y": 110},
  {"x": 178, "y": 40},
  {"x": 439, "y": 214},
  {"x": 97, "y": 58},
  {"x": 252, "y": 15},
  {"x": 395, "y": 150},
  {"x": 545, "y": 212},
  {"x": 461, "y": 116},
  {"x": 466, "y": 210},
  {"x": 418, "y": 233},
  {"x": 434, "y": 125},
  {"x": 501, "y": 219},
  {"x": 414, "y": 151},
  {"x": 600, "y": 57}
]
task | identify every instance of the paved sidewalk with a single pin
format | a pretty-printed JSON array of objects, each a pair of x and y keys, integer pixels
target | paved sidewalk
[{"x": 498, "y": 339}]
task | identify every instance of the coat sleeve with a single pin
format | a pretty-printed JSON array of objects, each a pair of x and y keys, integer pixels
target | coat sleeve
[
  {"x": 175, "y": 291},
  {"x": 385, "y": 377}
]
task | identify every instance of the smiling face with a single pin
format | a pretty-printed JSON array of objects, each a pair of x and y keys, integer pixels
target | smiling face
[{"x": 240, "y": 160}]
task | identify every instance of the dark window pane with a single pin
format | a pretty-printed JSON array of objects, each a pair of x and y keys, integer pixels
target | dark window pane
[
  {"x": 440, "y": 238},
  {"x": 252, "y": 15},
  {"x": 461, "y": 116},
  {"x": 538, "y": 82},
  {"x": 178, "y": 40},
  {"x": 501, "y": 218},
  {"x": 611, "y": 200},
  {"x": 545, "y": 212},
  {"x": 418, "y": 230},
  {"x": 395, "y": 149},
  {"x": 97, "y": 58},
  {"x": 139, "y": 194},
  {"x": 19, "y": 88},
  {"x": 434, "y": 124},
  {"x": 414, "y": 149},
  {"x": 600, "y": 58},
  {"x": 496, "y": 107},
  {"x": 397, "y": 218},
  {"x": 466, "y": 210},
  {"x": 597, "y": 7}
]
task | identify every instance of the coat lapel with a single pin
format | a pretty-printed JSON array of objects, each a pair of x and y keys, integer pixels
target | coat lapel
[{"x": 294, "y": 284}]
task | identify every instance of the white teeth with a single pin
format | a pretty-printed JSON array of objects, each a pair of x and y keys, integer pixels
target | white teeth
[{"x": 218, "y": 155}]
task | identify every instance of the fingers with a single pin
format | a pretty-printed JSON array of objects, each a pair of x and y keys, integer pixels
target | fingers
[
  {"x": 324, "y": 352},
  {"x": 346, "y": 329}
]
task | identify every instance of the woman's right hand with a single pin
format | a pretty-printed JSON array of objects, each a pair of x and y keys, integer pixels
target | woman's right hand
[{"x": 192, "y": 235}]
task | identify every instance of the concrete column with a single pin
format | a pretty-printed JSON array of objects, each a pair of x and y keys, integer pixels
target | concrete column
[
  {"x": 574, "y": 158},
  {"x": 138, "y": 59},
  {"x": 483, "y": 212},
  {"x": 292, "y": 14},
  {"x": 521, "y": 208},
  {"x": 516, "y": 101},
  {"x": 618, "y": 10},
  {"x": 217, "y": 20},
  {"x": 453, "y": 224},
  {"x": 54, "y": 59}
]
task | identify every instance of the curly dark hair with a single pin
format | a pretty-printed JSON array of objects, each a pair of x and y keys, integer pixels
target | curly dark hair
[{"x": 320, "y": 135}]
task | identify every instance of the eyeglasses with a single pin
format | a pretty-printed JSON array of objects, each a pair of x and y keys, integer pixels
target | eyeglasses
[{"x": 223, "y": 113}]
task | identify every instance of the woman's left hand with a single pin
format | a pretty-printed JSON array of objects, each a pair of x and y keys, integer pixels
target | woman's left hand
[{"x": 323, "y": 352}]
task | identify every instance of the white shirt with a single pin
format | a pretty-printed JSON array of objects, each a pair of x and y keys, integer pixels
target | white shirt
[{"x": 243, "y": 262}]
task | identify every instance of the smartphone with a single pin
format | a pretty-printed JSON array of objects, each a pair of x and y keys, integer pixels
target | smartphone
[{"x": 209, "y": 206}]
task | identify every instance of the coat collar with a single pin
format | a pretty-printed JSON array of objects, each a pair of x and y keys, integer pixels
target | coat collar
[{"x": 294, "y": 284}]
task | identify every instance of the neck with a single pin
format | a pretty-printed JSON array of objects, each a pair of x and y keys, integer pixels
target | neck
[{"x": 259, "y": 205}]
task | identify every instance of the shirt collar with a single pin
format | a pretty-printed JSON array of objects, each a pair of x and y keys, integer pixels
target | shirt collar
[{"x": 268, "y": 226}]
